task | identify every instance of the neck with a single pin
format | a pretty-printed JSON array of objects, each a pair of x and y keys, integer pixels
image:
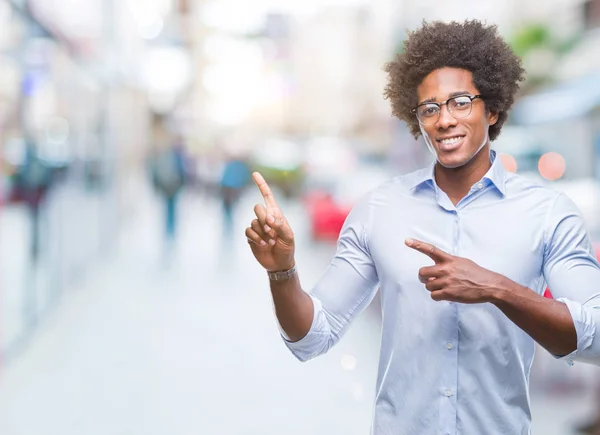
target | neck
[{"x": 456, "y": 182}]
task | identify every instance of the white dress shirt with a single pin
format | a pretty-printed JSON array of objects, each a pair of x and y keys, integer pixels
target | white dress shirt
[{"x": 448, "y": 368}]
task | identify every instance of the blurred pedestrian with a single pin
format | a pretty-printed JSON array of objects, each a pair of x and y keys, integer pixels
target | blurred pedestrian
[
  {"x": 168, "y": 177},
  {"x": 235, "y": 177},
  {"x": 32, "y": 181},
  {"x": 460, "y": 251}
]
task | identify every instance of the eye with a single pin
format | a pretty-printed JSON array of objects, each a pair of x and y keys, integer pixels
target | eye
[
  {"x": 428, "y": 111},
  {"x": 461, "y": 102}
]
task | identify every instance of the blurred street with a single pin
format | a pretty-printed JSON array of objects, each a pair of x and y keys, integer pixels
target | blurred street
[
  {"x": 130, "y": 302},
  {"x": 189, "y": 345}
]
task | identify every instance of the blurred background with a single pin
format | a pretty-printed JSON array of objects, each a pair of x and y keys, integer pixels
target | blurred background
[{"x": 129, "y": 300}]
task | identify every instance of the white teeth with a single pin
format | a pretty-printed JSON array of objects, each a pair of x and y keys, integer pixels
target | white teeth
[{"x": 451, "y": 141}]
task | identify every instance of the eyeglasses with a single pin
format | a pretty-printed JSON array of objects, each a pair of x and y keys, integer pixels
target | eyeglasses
[{"x": 459, "y": 107}]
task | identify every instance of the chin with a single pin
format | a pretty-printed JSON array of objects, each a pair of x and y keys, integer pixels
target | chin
[
  {"x": 452, "y": 162},
  {"x": 457, "y": 158}
]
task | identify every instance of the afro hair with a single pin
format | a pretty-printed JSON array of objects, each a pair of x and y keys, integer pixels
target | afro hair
[{"x": 471, "y": 46}]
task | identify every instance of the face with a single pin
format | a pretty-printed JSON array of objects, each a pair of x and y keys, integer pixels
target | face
[{"x": 454, "y": 141}]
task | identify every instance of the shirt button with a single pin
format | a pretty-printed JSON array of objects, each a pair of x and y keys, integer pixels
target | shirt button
[
  {"x": 480, "y": 186},
  {"x": 449, "y": 346},
  {"x": 448, "y": 393}
]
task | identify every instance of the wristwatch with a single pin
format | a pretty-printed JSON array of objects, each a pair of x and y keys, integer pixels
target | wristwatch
[{"x": 282, "y": 275}]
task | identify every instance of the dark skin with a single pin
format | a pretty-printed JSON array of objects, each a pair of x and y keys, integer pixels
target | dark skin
[
  {"x": 272, "y": 242},
  {"x": 457, "y": 170},
  {"x": 451, "y": 278},
  {"x": 459, "y": 279}
]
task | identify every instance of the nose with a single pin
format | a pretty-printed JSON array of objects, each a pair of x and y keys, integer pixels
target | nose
[{"x": 446, "y": 119}]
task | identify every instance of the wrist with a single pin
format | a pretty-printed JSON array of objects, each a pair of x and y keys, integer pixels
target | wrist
[
  {"x": 502, "y": 291},
  {"x": 283, "y": 268},
  {"x": 283, "y": 275}
]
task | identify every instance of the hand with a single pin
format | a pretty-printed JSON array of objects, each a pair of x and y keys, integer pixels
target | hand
[
  {"x": 269, "y": 235},
  {"x": 456, "y": 279}
]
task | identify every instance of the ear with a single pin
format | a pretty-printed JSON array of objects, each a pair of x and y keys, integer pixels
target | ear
[{"x": 492, "y": 117}]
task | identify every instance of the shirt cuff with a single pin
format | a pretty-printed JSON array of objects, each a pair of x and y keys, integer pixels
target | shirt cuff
[
  {"x": 315, "y": 340},
  {"x": 585, "y": 327}
]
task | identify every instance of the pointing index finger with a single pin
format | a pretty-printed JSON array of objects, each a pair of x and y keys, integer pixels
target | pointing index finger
[
  {"x": 265, "y": 190},
  {"x": 433, "y": 252}
]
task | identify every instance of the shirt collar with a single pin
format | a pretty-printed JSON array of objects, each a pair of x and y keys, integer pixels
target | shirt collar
[{"x": 496, "y": 175}]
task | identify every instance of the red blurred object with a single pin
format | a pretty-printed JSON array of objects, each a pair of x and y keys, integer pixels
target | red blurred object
[
  {"x": 548, "y": 294},
  {"x": 333, "y": 192},
  {"x": 326, "y": 216}
]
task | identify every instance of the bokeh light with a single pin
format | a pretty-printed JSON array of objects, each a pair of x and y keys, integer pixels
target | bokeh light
[
  {"x": 552, "y": 166},
  {"x": 509, "y": 162}
]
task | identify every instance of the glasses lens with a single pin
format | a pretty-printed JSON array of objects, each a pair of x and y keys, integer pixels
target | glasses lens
[
  {"x": 460, "y": 106},
  {"x": 428, "y": 113}
]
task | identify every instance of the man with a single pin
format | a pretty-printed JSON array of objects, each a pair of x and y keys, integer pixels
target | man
[
  {"x": 32, "y": 181},
  {"x": 461, "y": 251},
  {"x": 168, "y": 178},
  {"x": 235, "y": 177}
]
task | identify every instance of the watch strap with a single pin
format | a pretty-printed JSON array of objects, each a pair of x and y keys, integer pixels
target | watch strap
[{"x": 282, "y": 275}]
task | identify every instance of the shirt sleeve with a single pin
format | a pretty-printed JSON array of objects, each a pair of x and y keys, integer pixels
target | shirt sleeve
[
  {"x": 345, "y": 289},
  {"x": 573, "y": 276}
]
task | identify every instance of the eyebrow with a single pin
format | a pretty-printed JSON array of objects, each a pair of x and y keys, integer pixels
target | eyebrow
[{"x": 452, "y": 95}]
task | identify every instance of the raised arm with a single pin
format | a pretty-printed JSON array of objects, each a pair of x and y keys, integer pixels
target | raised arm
[
  {"x": 313, "y": 323},
  {"x": 272, "y": 242}
]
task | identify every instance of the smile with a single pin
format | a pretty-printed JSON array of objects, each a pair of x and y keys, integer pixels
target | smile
[{"x": 451, "y": 143}]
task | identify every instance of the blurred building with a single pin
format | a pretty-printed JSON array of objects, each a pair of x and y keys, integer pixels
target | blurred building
[
  {"x": 562, "y": 114},
  {"x": 84, "y": 80},
  {"x": 272, "y": 69},
  {"x": 71, "y": 96}
]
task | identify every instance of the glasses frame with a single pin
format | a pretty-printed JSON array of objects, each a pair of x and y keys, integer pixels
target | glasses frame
[{"x": 439, "y": 105}]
